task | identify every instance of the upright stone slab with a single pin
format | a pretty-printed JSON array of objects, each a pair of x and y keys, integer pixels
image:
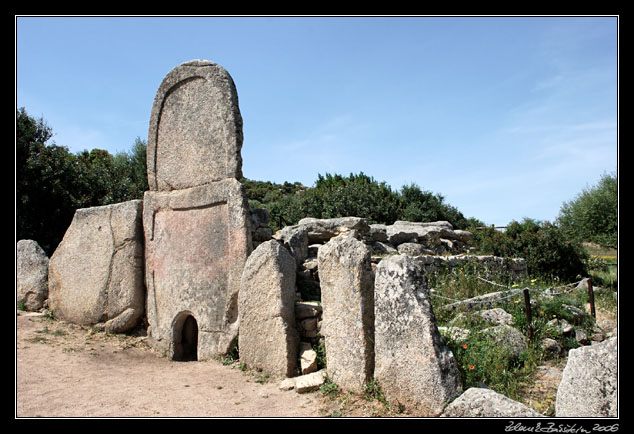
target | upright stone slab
[
  {"x": 268, "y": 337},
  {"x": 95, "y": 275},
  {"x": 195, "y": 134},
  {"x": 413, "y": 366},
  {"x": 31, "y": 275},
  {"x": 195, "y": 218},
  {"x": 347, "y": 296},
  {"x": 589, "y": 383}
]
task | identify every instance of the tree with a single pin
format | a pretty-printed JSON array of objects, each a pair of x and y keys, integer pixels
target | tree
[
  {"x": 424, "y": 206},
  {"x": 45, "y": 180},
  {"x": 51, "y": 182},
  {"x": 593, "y": 214},
  {"x": 356, "y": 195},
  {"x": 544, "y": 246}
]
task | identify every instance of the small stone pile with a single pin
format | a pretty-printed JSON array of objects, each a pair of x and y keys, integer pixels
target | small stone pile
[
  {"x": 418, "y": 238},
  {"x": 411, "y": 238}
]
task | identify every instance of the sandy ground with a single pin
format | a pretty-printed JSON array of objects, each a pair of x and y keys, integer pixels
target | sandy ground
[{"x": 67, "y": 371}]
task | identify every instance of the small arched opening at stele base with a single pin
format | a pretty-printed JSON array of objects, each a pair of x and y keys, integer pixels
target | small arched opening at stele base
[{"x": 185, "y": 343}]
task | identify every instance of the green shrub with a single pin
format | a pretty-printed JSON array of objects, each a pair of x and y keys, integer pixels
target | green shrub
[
  {"x": 593, "y": 214},
  {"x": 544, "y": 246}
]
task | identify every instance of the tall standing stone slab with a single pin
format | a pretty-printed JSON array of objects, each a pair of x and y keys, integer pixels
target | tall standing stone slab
[
  {"x": 32, "y": 275},
  {"x": 196, "y": 218},
  {"x": 197, "y": 242},
  {"x": 95, "y": 275},
  {"x": 195, "y": 133},
  {"x": 266, "y": 304},
  {"x": 413, "y": 366},
  {"x": 589, "y": 383},
  {"x": 347, "y": 296}
]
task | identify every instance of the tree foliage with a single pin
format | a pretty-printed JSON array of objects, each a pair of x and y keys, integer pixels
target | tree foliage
[
  {"x": 360, "y": 195},
  {"x": 544, "y": 246},
  {"x": 52, "y": 182},
  {"x": 593, "y": 214}
]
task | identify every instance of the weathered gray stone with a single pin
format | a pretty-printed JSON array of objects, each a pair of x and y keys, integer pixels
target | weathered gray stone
[
  {"x": 479, "y": 402},
  {"x": 560, "y": 325},
  {"x": 32, "y": 275},
  {"x": 413, "y": 249},
  {"x": 347, "y": 296},
  {"x": 460, "y": 235},
  {"x": 195, "y": 132},
  {"x": 308, "y": 309},
  {"x": 381, "y": 248},
  {"x": 427, "y": 233},
  {"x": 268, "y": 337},
  {"x": 197, "y": 242},
  {"x": 307, "y": 358},
  {"x": 577, "y": 314},
  {"x": 96, "y": 272},
  {"x": 309, "y": 382},
  {"x": 295, "y": 239},
  {"x": 497, "y": 316},
  {"x": 322, "y": 230},
  {"x": 287, "y": 384},
  {"x": 550, "y": 346},
  {"x": 508, "y": 338},
  {"x": 457, "y": 334},
  {"x": 378, "y": 232},
  {"x": 413, "y": 366},
  {"x": 311, "y": 264},
  {"x": 589, "y": 384}
]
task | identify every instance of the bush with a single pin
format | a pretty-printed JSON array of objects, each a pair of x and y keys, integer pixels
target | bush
[
  {"x": 51, "y": 182},
  {"x": 593, "y": 214},
  {"x": 356, "y": 195},
  {"x": 547, "y": 250}
]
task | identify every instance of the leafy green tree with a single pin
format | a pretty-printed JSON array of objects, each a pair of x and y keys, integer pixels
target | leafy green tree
[
  {"x": 356, "y": 195},
  {"x": 51, "y": 182},
  {"x": 424, "y": 206},
  {"x": 45, "y": 183},
  {"x": 544, "y": 246},
  {"x": 593, "y": 214},
  {"x": 129, "y": 173}
]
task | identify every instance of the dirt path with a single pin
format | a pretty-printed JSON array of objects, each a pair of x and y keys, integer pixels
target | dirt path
[{"x": 64, "y": 370}]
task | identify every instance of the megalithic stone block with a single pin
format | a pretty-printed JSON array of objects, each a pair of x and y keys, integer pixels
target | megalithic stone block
[
  {"x": 268, "y": 337},
  {"x": 347, "y": 296},
  {"x": 413, "y": 366},
  {"x": 197, "y": 242},
  {"x": 196, "y": 218},
  {"x": 195, "y": 133},
  {"x": 95, "y": 275}
]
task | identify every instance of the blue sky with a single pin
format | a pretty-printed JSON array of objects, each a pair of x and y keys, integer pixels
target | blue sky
[{"x": 506, "y": 117}]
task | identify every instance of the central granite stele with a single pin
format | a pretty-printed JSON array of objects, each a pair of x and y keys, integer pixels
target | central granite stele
[{"x": 195, "y": 216}]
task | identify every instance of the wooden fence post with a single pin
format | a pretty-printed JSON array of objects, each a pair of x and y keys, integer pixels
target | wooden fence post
[
  {"x": 591, "y": 297},
  {"x": 527, "y": 305}
]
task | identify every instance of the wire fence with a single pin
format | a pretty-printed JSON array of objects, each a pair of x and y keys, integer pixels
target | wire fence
[{"x": 510, "y": 292}]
